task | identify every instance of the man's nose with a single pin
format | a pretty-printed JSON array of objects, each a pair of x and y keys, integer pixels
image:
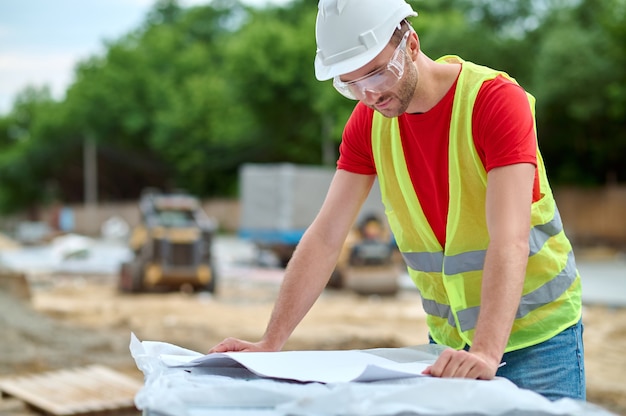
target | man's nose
[{"x": 370, "y": 97}]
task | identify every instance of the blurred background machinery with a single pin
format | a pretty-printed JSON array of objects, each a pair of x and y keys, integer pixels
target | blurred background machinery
[
  {"x": 172, "y": 245},
  {"x": 279, "y": 202},
  {"x": 369, "y": 262}
]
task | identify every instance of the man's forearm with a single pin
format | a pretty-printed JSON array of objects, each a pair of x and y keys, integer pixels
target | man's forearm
[
  {"x": 305, "y": 278},
  {"x": 312, "y": 262},
  {"x": 503, "y": 280}
]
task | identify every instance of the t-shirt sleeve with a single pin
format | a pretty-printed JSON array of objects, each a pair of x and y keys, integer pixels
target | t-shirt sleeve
[
  {"x": 503, "y": 125},
  {"x": 355, "y": 150}
]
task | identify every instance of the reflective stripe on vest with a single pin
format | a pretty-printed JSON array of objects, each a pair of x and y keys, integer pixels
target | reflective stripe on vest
[
  {"x": 547, "y": 293},
  {"x": 474, "y": 260}
]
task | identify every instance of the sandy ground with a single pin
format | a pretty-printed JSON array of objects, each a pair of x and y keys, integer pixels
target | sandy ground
[{"x": 77, "y": 320}]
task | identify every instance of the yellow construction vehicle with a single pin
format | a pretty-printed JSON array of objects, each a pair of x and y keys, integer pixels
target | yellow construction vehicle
[
  {"x": 171, "y": 246},
  {"x": 368, "y": 263}
]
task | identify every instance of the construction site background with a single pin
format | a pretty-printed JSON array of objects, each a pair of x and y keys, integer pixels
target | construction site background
[
  {"x": 592, "y": 217},
  {"x": 63, "y": 320}
]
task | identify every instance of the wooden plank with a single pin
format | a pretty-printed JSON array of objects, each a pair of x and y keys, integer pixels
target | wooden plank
[
  {"x": 77, "y": 391},
  {"x": 12, "y": 406}
]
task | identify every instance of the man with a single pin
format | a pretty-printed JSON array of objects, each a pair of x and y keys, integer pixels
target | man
[{"x": 467, "y": 198}]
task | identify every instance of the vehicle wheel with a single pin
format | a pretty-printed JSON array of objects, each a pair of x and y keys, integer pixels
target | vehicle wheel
[
  {"x": 137, "y": 277},
  {"x": 210, "y": 287},
  {"x": 131, "y": 277}
]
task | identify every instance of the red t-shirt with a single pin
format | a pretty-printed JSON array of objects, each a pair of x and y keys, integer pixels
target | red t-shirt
[{"x": 503, "y": 131}]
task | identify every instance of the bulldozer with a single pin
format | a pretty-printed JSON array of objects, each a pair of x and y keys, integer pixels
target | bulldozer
[
  {"x": 368, "y": 262},
  {"x": 172, "y": 245}
]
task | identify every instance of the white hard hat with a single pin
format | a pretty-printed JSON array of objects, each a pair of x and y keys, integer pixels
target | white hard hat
[{"x": 350, "y": 33}]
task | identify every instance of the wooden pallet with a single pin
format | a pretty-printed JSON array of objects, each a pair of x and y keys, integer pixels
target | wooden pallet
[{"x": 78, "y": 391}]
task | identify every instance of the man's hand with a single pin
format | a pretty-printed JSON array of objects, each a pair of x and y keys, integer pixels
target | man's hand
[
  {"x": 463, "y": 364},
  {"x": 237, "y": 345}
]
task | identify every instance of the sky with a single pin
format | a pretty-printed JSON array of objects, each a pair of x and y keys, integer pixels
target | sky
[{"x": 41, "y": 41}]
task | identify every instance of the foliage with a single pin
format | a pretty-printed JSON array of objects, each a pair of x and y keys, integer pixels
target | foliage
[
  {"x": 193, "y": 93},
  {"x": 580, "y": 85},
  {"x": 29, "y": 135}
]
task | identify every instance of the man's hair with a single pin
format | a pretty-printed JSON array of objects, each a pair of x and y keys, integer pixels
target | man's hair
[{"x": 397, "y": 35}]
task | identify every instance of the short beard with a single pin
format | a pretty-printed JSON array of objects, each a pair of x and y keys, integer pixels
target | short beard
[{"x": 404, "y": 95}]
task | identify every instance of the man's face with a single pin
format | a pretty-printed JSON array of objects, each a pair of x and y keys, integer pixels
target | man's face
[
  {"x": 386, "y": 84},
  {"x": 395, "y": 101}
]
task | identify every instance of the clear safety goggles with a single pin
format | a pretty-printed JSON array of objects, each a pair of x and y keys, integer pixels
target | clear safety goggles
[{"x": 381, "y": 80}]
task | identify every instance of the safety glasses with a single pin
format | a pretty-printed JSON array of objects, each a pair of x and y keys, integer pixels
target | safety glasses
[{"x": 381, "y": 80}]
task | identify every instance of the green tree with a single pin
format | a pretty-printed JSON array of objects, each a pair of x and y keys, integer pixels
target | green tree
[
  {"x": 31, "y": 138},
  {"x": 579, "y": 83}
]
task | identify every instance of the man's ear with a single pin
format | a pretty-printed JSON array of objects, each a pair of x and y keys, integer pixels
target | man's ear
[{"x": 414, "y": 45}]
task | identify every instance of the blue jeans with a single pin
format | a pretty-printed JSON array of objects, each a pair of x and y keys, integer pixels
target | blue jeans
[{"x": 554, "y": 368}]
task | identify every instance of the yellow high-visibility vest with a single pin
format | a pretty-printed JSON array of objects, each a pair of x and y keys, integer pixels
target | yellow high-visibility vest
[{"x": 449, "y": 278}]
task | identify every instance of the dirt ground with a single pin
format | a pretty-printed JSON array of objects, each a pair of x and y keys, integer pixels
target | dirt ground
[{"x": 78, "y": 320}]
